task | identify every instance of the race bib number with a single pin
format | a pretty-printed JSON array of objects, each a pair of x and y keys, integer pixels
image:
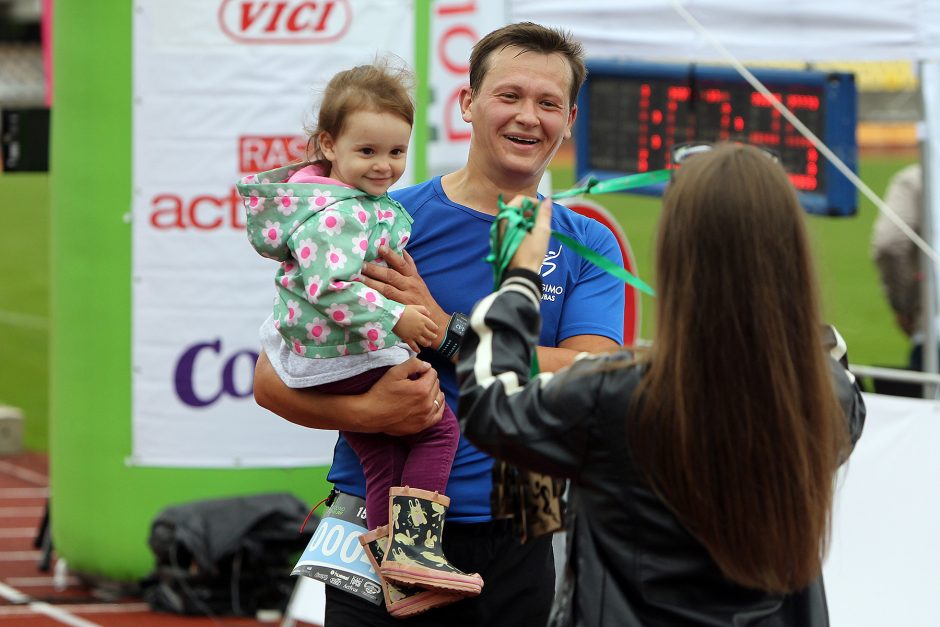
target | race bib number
[{"x": 334, "y": 555}]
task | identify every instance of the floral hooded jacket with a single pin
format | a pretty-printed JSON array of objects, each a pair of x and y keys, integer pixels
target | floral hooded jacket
[{"x": 321, "y": 234}]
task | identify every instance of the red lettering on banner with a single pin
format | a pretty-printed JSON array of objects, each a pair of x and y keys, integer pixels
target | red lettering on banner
[
  {"x": 469, "y": 7},
  {"x": 260, "y": 153},
  {"x": 456, "y": 29},
  {"x": 204, "y": 212},
  {"x": 285, "y": 21},
  {"x": 458, "y": 67}
]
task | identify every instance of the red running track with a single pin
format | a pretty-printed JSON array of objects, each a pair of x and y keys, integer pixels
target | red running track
[{"x": 28, "y": 597}]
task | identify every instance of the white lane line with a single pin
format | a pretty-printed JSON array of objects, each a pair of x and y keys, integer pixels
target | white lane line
[
  {"x": 19, "y": 556},
  {"x": 81, "y": 608},
  {"x": 32, "y": 582},
  {"x": 57, "y": 613},
  {"x": 21, "y": 512},
  {"x": 27, "y": 475},
  {"x": 24, "y": 493},
  {"x": 13, "y": 595},
  {"x": 22, "y": 532}
]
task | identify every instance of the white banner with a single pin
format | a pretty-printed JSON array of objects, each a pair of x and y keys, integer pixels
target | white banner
[
  {"x": 223, "y": 88},
  {"x": 455, "y": 26}
]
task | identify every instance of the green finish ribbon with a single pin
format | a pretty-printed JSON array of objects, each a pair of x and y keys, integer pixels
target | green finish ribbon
[{"x": 513, "y": 223}]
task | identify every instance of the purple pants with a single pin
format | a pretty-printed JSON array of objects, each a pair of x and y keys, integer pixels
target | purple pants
[{"x": 421, "y": 460}]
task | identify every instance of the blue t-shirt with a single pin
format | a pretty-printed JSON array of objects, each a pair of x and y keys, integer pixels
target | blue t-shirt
[{"x": 448, "y": 243}]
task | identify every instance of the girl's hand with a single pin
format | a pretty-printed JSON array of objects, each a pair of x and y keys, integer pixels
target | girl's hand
[{"x": 416, "y": 327}]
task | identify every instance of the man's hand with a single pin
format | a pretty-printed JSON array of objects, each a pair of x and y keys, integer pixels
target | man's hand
[
  {"x": 401, "y": 282},
  {"x": 407, "y": 399},
  {"x": 410, "y": 397}
]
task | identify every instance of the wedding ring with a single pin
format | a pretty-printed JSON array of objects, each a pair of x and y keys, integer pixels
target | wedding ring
[{"x": 437, "y": 403}]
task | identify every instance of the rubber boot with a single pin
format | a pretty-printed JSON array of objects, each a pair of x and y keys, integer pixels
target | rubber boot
[
  {"x": 401, "y": 601},
  {"x": 416, "y": 532}
]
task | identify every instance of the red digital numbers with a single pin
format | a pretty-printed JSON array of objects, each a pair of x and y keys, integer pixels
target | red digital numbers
[{"x": 669, "y": 113}]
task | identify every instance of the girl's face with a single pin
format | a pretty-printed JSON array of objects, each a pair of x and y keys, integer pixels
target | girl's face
[{"x": 369, "y": 153}]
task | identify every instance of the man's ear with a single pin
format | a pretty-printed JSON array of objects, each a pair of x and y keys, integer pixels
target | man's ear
[
  {"x": 327, "y": 145},
  {"x": 572, "y": 116},
  {"x": 465, "y": 98}
]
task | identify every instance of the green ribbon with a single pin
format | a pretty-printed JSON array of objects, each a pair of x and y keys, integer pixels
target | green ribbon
[{"x": 516, "y": 222}]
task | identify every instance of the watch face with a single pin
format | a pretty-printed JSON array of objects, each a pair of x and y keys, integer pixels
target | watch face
[{"x": 459, "y": 325}]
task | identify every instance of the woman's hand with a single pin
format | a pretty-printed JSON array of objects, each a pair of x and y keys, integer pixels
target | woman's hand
[{"x": 531, "y": 251}]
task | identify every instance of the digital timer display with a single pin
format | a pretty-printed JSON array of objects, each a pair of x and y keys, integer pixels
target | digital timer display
[{"x": 631, "y": 115}]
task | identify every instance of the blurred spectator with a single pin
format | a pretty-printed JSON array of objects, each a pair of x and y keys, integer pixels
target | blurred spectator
[{"x": 899, "y": 265}]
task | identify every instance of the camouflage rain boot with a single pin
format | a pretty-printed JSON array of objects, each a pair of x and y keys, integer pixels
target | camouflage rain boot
[
  {"x": 415, "y": 556},
  {"x": 401, "y": 601}
]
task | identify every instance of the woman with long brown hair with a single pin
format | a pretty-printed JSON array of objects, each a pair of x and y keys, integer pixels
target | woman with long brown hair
[{"x": 702, "y": 471}]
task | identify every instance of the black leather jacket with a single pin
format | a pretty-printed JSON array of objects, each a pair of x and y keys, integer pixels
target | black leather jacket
[{"x": 631, "y": 562}]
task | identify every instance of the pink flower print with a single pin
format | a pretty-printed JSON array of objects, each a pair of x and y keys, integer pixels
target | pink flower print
[
  {"x": 403, "y": 236},
  {"x": 343, "y": 351},
  {"x": 339, "y": 314},
  {"x": 254, "y": 203},
  {"x": 292, "y": 317},
  {"x": 336, "y": 258},
  {"x": 272, "y": 233},
  {"x": 320, "y": 198},
  {"x": 288, "y": 274},
  {"x": 384, "y": 215},
  {"x": 277, "y": 325},
  {"x": 383, "y": 239},
  {"x": 361, "y": 215},
  {"x": 312, "y": 291},
  {"x": 338, "y": 285},
  {"x": 306, "y": 252},
  {"x": 318, "y": 330},
  {"x": 360, "y": 245},
  {"x": 369, "y": 298},
  {"x": 331, "y": 223},
  {"x": 374, "y": 336},
  {"x": 248, "y": 180},
  {"x": 285, "y": 203},
  {"x": 298, "y": 347}
]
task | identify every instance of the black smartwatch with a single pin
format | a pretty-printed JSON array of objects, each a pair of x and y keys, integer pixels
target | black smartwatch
[{"x": 456, "y": 329}]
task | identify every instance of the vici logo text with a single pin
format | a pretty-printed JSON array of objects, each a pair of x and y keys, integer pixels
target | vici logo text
[{"x": 285, "y": 21}]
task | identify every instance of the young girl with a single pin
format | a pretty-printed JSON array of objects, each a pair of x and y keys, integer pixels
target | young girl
[{"x": 322, "y": 220}]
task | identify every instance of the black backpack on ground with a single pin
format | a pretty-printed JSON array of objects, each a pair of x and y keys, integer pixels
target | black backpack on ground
[{"x": 226, "y": 556}]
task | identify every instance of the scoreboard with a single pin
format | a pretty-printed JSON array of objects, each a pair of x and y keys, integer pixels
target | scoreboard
[{"x": 631, "y": 114}]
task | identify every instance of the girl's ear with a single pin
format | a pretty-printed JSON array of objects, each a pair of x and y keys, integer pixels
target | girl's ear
[{"x": 327, "y": 146}]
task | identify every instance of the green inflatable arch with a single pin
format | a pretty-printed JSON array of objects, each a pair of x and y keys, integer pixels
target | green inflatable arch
[{"x": 102, "y": 508}]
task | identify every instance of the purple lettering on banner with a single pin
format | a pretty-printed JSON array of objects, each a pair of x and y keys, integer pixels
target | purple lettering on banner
[
  {"x": 185, "y": 375},
  {"x": 228, "y": 374}
]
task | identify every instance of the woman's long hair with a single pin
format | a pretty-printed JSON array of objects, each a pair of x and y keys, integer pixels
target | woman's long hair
[{"x": 739, "y": 429}]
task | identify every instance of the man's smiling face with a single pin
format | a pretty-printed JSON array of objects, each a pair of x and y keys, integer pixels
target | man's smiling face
[{"x": 521, "y": 112}]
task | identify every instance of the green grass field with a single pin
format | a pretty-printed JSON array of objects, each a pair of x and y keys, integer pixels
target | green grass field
[{"x": 851, "y": 291}]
